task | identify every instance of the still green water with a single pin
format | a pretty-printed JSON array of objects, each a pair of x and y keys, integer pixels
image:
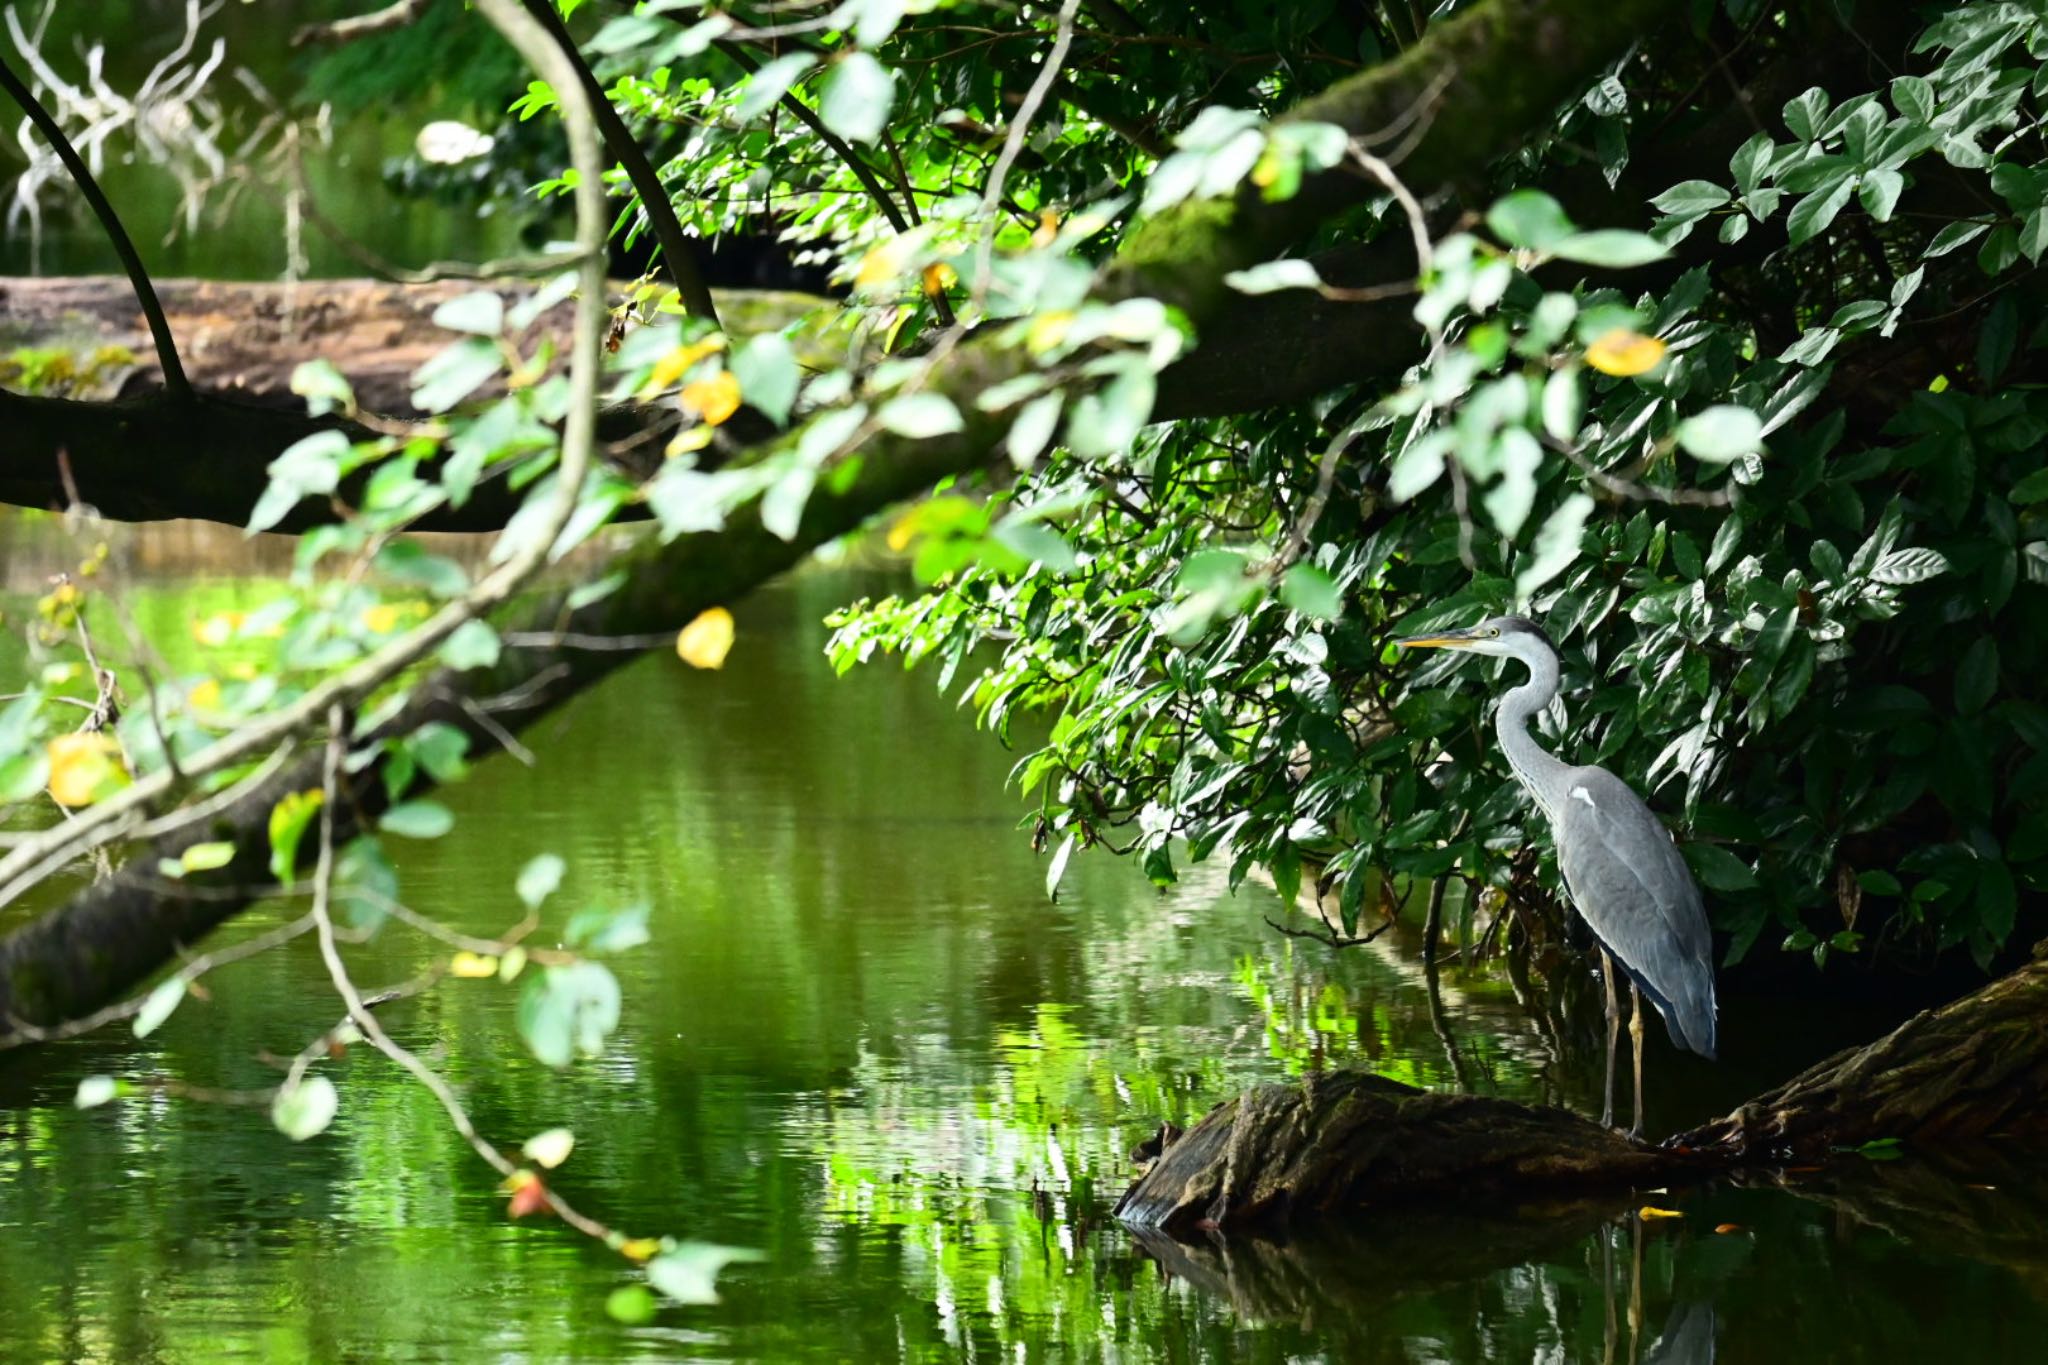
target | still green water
[{"x": 864, "y": 1043}]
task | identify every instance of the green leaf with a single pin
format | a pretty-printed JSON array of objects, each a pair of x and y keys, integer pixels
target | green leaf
[
  {"x": 598, "y": 930},
  {"x": 1274, "y": 275},
  {"x": 1609, "y": 247},
  {"x": 1913, "y": 565},
  {"x": 856, "y": 96},
  {"x": 1530, "y": 220},
  {"x": 1557, "y": 545},
  {"x": 206, "y": 857},
  {"x": 1313, "y": 593},
  {"x": 1880, "y": 883},
  {"x": 94, "y": 1091},
  {"x": 1880, "y": 193},
  {"x": 1058, "y": 869},
  {"x": 1913, "y": 97},
  {"x": 1803, "y": 113},
  {"x": 365, "y": 883},
  {"x": 539, "y": 879},
  {"x": 631, "y": 1304},
  {"x": 568, "y": 1011},
  {"x": 767, "y": 86},
  {"x": 158, "y": 1004},
  {"x": 288, "y": 821},
  {"x": 689, "y": 1274},
  {"x": 480, "y": 313},
  {"x": 1977, "y": 676},
  {"x": 304, "y": 1110},
  {"x": 417, "y": 820},
  {"x": 920, "y": 415},
  {"x": 455, "y": 374},
  {"x": 473, "y": 644},
  {"x": 1813, "y": 214},
  {"x": 767, "y": 370},
  {"x": 1721, "y": 433},
  {"x": 1691, "y": 199},
  {"x": 324, "y": 388},
  {"x": 1032, "y": 429},
  {"x": 1717, "y": 868},
  {"x": 2033, "y": 488}
]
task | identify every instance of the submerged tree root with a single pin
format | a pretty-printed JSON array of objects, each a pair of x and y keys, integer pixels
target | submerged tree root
[{"x": 1293, "y": 1155}]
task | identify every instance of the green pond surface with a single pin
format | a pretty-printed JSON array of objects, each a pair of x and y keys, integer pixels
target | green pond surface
[{"x": 864, "y": 1043}]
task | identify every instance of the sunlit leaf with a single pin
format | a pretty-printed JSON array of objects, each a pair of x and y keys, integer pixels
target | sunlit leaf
[
  {"x": 713, "y": 400},
  {"x": 304, "y": 1110},
  {"x": 539, "y": 879},
  {"x": 288, "y": 821},
  {"x": 857, "y": 93},
  {"x": 549, "y": 1149},
  {"x": 84, "y": 767},
  {"x": 689, "y": 1274},
  {"x": 1624, "y": 353},
  {"x": 158, "y": 1004},
  {"x": 472, "y": 966},
  {"x": 417, "y": 820},
  {"x": 706, "y": 641},
  {"x": 94, "y": 1091}
]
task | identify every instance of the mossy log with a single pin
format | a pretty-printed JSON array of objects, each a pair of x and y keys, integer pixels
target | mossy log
[{"x": 1335, "y": 1145}]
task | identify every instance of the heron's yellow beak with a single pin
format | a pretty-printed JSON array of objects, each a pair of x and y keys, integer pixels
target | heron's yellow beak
[{"x": 1450, "y": 639}]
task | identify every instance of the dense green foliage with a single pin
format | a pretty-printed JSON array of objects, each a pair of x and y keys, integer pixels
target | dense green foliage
[{"x": 1828, "y": 668}]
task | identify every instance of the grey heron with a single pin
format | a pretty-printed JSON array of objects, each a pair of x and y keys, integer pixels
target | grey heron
[{"x": 1620, "y": 864}]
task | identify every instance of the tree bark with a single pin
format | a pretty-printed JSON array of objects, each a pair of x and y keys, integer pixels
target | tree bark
[{"x": 1338, "y": 1145}]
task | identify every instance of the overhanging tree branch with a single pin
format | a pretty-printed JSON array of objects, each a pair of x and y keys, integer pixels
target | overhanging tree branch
[
  {"x": 110, "y": 223},
  {"x": 618, "y": 139},
  {"x": 82, "y": 955}
]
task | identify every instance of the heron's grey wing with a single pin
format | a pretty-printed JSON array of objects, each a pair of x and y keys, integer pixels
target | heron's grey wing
[{"x": 1636, "y": 893}]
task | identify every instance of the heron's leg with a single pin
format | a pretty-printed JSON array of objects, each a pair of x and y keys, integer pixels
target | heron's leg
[
  {"x": 1635, "y": 1033},
  {"x": 1613, "y": 1036}
]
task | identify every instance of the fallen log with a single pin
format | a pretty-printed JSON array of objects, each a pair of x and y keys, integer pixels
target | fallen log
[{"x": 1292, "y": 1156}]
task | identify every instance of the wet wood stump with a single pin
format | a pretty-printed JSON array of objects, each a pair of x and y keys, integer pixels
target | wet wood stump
[{"x": 1294, "y": 1156}]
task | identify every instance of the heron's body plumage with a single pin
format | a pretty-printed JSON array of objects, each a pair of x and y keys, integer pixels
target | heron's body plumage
[{"x": 1623, "y": 870}]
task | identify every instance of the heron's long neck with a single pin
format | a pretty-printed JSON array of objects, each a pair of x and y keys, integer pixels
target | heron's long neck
[{"x": 1542, "y": 774}]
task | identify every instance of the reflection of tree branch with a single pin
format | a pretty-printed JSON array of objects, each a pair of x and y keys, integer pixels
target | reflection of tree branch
[{"x": 110, "y": 223}]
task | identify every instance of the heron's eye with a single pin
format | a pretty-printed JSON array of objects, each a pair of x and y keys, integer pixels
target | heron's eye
[{"x": 1493, "y": 631}]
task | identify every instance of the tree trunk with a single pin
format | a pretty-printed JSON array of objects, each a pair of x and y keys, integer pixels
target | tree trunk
[{"x": 1291, "y": 1155}]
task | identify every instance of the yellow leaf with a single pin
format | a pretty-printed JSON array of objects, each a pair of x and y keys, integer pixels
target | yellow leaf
[
  {"x": 475, "y": 966},
  {"x": 1649, "y": 1212},
  {"x": 1624, "y": 353},
  {"x": 513, "y": 963},
  {"x": 205, "y": 696},
  {"x": 687, "y": 440},
  {"x": 640, "y": 1249},
  {"x": 677, "y": 363},
  {"x": 902, "y": 533},
  {"x": 218, "y": 629},
  {"x": 85, "y": 767},
  {"x": 706, "y": 641},
  {"x": 381, "y": 619},
  {"x": 1049, "y": 330},
  {"x": 939, "y": 277},
  {"x": 713, "y": 399},
  {"x": 889, "y": 260}
]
